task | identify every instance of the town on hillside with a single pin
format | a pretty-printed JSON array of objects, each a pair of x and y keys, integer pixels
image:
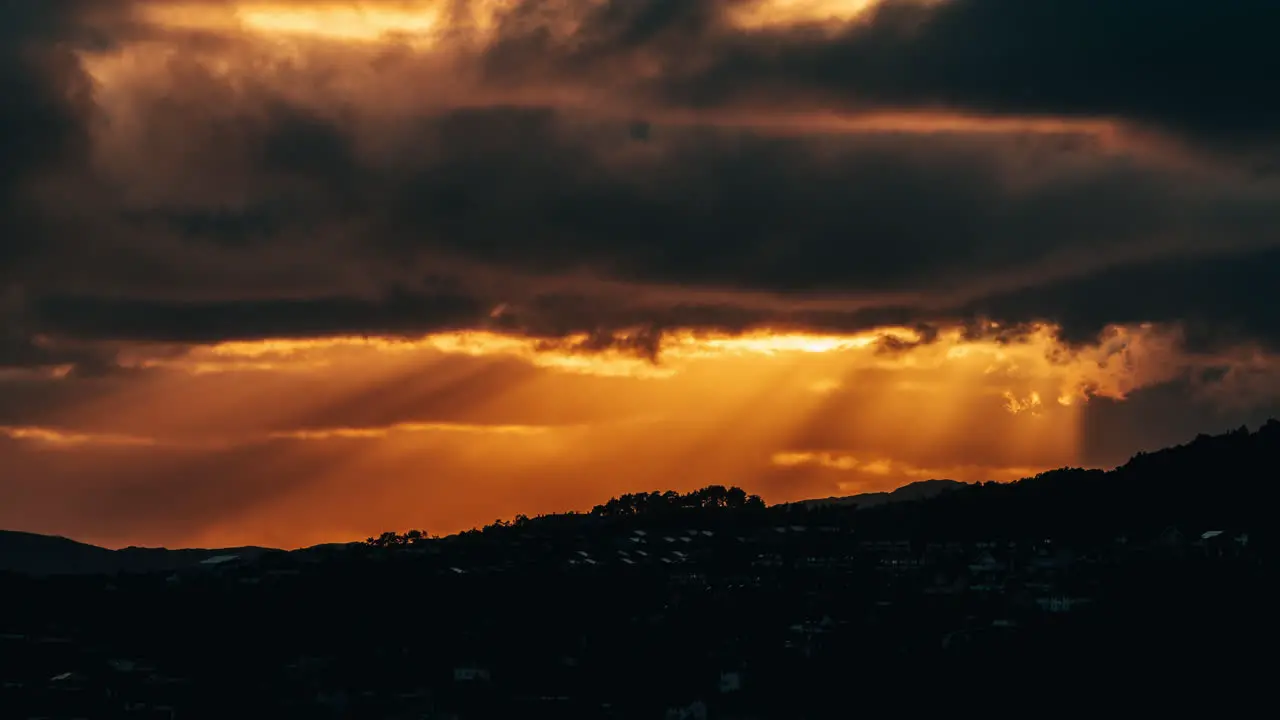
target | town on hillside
[{"x": 1149, "y": 586}]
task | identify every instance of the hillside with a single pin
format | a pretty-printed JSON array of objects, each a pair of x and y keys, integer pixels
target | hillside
[
  {"x": 922, "y": 490},
  {"x": 35, "y": 554},
  {"x": 1215, "y": 481},
  {"x": 1223, "y": 481},
  {"x": 655, "y": 603}
]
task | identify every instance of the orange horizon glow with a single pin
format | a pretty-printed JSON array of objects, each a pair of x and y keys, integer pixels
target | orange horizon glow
[
  {"x": 348, "y": 436},
  {"x": 193, "y": 109}
]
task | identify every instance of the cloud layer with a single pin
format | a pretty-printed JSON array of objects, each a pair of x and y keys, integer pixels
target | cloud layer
[
  {"x": 203, "y": 170},
  {"x": 606, "y": 184}
]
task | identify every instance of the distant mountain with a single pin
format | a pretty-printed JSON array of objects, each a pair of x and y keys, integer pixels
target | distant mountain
[
  {"x": 1222, "y": 482},
  {"x": 34, "y": 554},
  {"x": 922, "y": 490},
  {"x": 1215, "y": 482}
]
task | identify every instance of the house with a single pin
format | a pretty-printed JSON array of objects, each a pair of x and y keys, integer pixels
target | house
[
  {"x": 1218, "y": 543},
  {"x": 1171, "y": 538},
  {"x": 946, "y": 584},
  {"x": 67, "y": 679},
  {"x": 470, "y": 674},
  {"x": 730, "y": 682},
  {"x": 1059, "y": 603},
  {"x": 122, "y": 665},
  {"x": 218, "y": 561},
  {"x": 986, "y": 564},
  {"x": 1049, "y": 561},
  {"x": 689, "y": 579}
]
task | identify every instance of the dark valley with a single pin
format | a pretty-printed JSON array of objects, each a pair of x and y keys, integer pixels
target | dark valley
[{"x": 1149, "y": 586}]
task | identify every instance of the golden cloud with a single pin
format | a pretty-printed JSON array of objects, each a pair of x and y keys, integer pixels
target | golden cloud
[
  {"x": 1124, "y": 359},
  {"x": 409, "y": 427},
  {"x": 56, "y": 438},
  {"x": 486, "y": 415}
]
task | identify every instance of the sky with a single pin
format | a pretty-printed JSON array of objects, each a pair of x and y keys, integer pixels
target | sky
[{"x": 285, "y": 272}]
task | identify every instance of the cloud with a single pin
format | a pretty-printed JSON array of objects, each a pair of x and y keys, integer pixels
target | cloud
[
  {"x": 295, "y": 441},
  {"x": 43, "y": 119},
  {"x": 881, "y": 229},
  {"x": 275, "y": 179},
  {"x": 51, "y": 437},
  {"x": 1214, "y": 296},
  {"x": 371, "y": 433},
  {"x": 1185, "y": 67},
  {"x": 227, "y": 225}
]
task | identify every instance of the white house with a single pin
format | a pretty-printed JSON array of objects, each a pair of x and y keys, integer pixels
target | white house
[
  {"x": 469, "y": 673},
  {"x": 1060, "y": 603}
]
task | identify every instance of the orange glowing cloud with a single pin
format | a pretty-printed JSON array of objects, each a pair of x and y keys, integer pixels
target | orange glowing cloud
[
  {"x": 337, "y": 54},
  {"x": 60, "y": 439},
  {"x": 898, "y": 470},
  {"x": 409, "y": 427},
  {"x": 342, "y": 21},
  {"x": 357, "y": 434},
  {"x": 762, "y": 14},
  {"x": 370, "y": 21},
  {"x": 1020, "y": 372}
]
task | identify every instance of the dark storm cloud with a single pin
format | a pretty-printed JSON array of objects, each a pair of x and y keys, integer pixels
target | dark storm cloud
[
  {"x": 866, "y": 213},
  {"x": 1218, "y": 300},
  {"x": 45, "y": 100},
  {"x": 241, "y": 211},
  {"x": 398, "y": 313},
  {"x": 949, "y": 226},
  {"x": 907, "y": 229},
  {"x": 1195, "y": 68}
]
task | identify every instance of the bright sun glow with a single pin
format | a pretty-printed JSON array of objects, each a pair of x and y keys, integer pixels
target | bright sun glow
[
  {"x": 766, "y": 13},
  {"x": 354, "y": 21},
  {"x": 358, "y": 22},
  {"x": 345, "y": 436},
  {"x": 366, "y": 21}
]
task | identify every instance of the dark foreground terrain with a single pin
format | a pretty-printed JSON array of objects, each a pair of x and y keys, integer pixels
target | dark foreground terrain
[{"x": 1146, "y": 589}]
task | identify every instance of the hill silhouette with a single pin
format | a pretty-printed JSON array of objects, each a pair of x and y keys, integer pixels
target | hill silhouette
[
  {"x": 1223, "y": 481},
  {"x": 1213, "y": 481},
  {"x": 920, "y": 490},
  {"x": 706, "y": 604},
  {"x": 35, "y": 554}
]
